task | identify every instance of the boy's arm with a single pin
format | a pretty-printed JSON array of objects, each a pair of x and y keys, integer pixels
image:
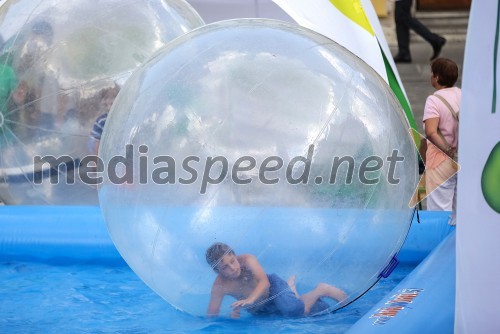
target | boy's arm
[
  {"x": 262, "y": 282},
  {"x": 216, "y": 297}
]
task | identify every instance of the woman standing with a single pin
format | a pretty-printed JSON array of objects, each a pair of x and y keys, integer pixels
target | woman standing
[{"x": 441, "y": 129}]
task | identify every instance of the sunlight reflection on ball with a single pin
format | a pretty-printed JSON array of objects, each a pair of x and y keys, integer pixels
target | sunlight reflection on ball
[
  {"x": 59, "y": 61},
  {"x": 233, "y": 132}
]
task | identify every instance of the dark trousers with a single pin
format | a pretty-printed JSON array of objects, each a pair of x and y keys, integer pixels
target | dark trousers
[{"x": 405, "y": 22}]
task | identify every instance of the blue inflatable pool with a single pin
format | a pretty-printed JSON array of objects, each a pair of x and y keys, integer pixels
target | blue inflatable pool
[{"x": 61, "y": 272}]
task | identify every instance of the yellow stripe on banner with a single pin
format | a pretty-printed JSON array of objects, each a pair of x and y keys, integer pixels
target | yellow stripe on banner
[{"x": 354, "y": 11}]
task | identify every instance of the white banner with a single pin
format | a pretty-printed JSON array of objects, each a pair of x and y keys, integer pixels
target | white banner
[{"x": 478, "y": 215}]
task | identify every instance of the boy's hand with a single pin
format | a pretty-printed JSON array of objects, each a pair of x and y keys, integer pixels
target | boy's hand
[
  {"x": 235, "y": 313},
  {"x": 241, "y": 303}
]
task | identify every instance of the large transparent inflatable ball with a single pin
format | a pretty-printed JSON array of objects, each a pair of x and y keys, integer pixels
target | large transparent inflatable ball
[
  {"x": 62, "y": 63},
  {"x": 267, "y": 137}
]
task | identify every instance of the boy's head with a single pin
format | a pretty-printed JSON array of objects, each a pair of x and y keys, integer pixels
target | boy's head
[
  {"x": 108, "y": 96},
  {"x": 222, "y": 259},
  {"x": 42, "y": 28}
]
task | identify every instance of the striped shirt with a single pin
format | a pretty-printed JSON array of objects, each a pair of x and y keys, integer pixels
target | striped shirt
[{"x": 96, "y": 132}]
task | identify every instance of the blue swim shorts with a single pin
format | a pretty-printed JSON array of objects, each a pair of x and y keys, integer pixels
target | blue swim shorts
[{"x": 282, "y": 301}]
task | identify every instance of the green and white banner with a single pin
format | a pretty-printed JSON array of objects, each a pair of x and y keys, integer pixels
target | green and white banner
[{"x": 478, "y": 207}]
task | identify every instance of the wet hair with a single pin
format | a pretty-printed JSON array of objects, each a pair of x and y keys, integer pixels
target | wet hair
[
  {"x": 215, "y": 253},
  {"x": 446, "y": 70},
  {"x": 43, "y": 28}
]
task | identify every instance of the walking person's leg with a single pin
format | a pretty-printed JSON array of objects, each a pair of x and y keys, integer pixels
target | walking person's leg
[
  {"x": 433, "y": 39},
  {"x": 402, "y": 17}
]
